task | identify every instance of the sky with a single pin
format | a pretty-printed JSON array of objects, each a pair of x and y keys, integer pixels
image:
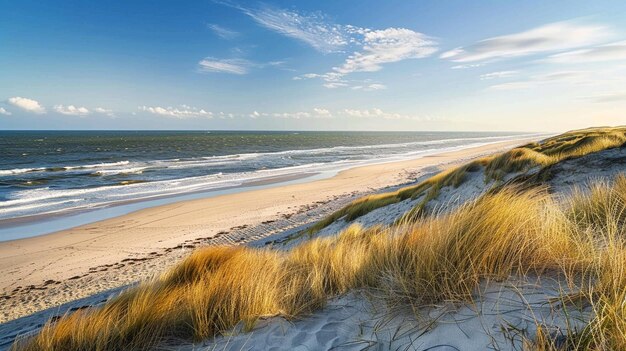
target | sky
[{"x": 314, "y": 65}]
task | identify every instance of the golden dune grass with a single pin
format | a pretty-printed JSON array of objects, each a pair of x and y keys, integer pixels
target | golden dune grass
[
  {"x": 598, "y": 217},
  {"x": 433, "y": 259},
  {"x": 543, "y": 154}
]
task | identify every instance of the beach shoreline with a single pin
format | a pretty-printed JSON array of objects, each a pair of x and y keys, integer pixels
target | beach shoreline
[
  {"x": 48, "y": 270},
  {"x": 46, "y": 222}
]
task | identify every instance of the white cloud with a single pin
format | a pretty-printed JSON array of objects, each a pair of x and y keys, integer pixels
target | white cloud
[
  {"x": 27, "y": 104},
  {"x": 322, "y": 112},
  {"x": 334, "y": 80},
  {"x": 181, "y": 112},
  {"x": 223, "y": 115},
  {"x": 315, "y": 113},
  {"x": 335, "y": 85},
  {"x": 378, "y": 113},
  {"x": 378, "y": 47},
  {"x": 255, "y": 115},
  {"x": 308, "y": 76},
  {"x": 375, "y": 47},
  {"x": 104, "y": 111},
  {"x": 184, "y": 112},
  {"x": 500, "y": 74},
  {"x": 471, "y": 65},
  {"x": 608, "y": 52},
  {"x": 222, "y": 32},
  {"x": 387, "y": 46},
  {"x": 312, "y": 29},
  {"x": 237, "y": 65},
  {"x": 376, "y": 86},
  {"x": 4, "y": 112},
  {"x": 369, "y": 87},
  {"x": 327, "y": 77},
  {"x": 71, "y": 110},
  {"x": 233, "y": 66},
  {"x": 550, "y": 37}
]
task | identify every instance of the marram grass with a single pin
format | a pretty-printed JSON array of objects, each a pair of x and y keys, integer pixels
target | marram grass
[
  {"x": 598, "y": 217},
  {"x": 511, "y": 232},
  {"x": 542, "y": 154}
]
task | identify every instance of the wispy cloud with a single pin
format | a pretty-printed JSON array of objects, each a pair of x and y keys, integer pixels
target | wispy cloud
[
  {"x": 222, "y": 32},
  {"x": 313, "y": 29},
  {"x": 369, "y": 87},
  {"x": 71, "y": 110},
  {"x": 608, "y": 52},
  {"x": 104, "y": 111},
  {"x": 380, "y": 114},
  {"x": 387, "y": 46},
  {"x": 232, "y": 66},
  {"x": 499, "y": 74},
  {"x": 323, "y": 113},
  {"x": 334, "y": 80},
  {"x": 315, "y": 113},
  {"x": 27, "y": 104},
  {"x": 470, "y": 65},
  {"x": 371, "y": 49},
  {"x": 307, "y": 76},
  {"x": 335, "y": 85},
  {"x": 541, "y": 79},
  {"x": 547, "y": 38},
  {"x": 225, "y": 115},
  {"x": 378, "y": 47},
  {"x": 181, "y": 112},
  {"x": 4, "y": 112},
  {"x": 237, "y": 65},
  {"x": 188, "y": 112}
]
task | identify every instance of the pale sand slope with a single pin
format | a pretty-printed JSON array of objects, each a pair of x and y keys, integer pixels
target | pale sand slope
[
  {"x": 42, "y": 271},
  {"x": 500, "y": 317}
]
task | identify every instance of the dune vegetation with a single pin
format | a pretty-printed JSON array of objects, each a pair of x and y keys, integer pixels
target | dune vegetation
[
  {"x": 514, "y": 231},
  {"x": 538, "y": 155}
]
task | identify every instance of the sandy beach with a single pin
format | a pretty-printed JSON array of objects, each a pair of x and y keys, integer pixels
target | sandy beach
[{"x": 45, "y": 271}]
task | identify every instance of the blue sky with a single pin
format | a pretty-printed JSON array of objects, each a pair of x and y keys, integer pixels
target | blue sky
[{"x": 325, "y": 65}]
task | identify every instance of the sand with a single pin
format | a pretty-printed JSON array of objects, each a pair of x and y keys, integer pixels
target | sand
[
  {"x": 500, "y": 316},
  {"x": 49, "y": 270}
]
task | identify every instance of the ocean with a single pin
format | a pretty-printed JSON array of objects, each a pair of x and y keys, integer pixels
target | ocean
[{"x": 45, "y": 173}]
